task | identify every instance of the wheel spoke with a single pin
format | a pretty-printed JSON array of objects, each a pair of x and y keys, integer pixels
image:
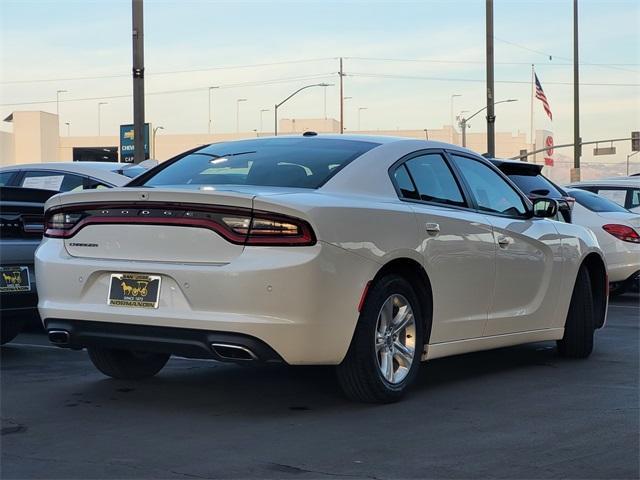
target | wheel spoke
[
  {"x": 387, "y": 365},
  {"x": 386, "y": 315},
  {"x": 402, "y": 319},
  {"x": 379, "y": 343},
  {"x": 405, "y": 353}
]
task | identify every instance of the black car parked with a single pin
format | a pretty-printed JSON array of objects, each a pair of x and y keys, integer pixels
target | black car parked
[
  {"x": 21, "y": 228},
  {"x": 528, "y": 177}
]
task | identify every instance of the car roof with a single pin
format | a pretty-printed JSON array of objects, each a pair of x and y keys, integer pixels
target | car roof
[
  {"x": 609, "y": 182},
  {"x": 104, "y": 171}
]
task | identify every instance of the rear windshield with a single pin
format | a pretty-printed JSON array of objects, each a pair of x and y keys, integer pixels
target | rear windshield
[
  {"x": 302, "y": 162},
  {"x": 535, "y": 185},
  {"x": 594, "y": 202}
]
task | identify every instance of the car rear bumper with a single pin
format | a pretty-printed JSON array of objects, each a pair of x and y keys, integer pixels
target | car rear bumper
[
  {"x": 300, "y": 301},
  {"x": 185, "y": 342}
]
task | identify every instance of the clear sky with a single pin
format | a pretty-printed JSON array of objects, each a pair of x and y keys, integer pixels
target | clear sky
[{"x": 444, "y": 41}]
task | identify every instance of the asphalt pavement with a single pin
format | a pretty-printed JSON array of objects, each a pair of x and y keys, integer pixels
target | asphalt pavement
[{"x": 519, "y": 412}]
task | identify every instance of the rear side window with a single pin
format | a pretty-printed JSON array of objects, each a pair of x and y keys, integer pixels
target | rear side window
[
  {"x": 617, "y": 195},
  {"x": 302, "y": 162},
  {"x": 51, "y": 180},
  {"x": 535, "y": 185},
  {"x": 595, "y": 203},
  {"x": 434, "y": 180},
  {"x": 635, "y": 199}
]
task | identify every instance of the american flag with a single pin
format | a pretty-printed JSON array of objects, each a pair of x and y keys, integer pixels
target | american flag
[{"x": 543, "y": 98}]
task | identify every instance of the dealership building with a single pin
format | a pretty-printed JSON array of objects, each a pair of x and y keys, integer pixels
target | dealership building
[{"x": 33, "y": 137}]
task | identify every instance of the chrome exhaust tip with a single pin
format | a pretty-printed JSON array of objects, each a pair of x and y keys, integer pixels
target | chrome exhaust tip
[
  {"x": 59, "y": 337},
  {"x": 234, "y": 353}
]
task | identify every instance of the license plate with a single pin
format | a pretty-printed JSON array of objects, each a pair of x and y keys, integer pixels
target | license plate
[
  {"x": 134, "y": 290},
  {"x": 14, "y": 279}
]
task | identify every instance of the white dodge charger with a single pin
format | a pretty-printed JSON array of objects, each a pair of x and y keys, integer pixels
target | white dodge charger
[{"x": 368, "y": 253}]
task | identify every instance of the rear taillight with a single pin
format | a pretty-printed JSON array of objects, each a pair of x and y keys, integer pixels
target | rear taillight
[
  {"x": 622, "y": 232},
  {"x": 237, "y": 225}
]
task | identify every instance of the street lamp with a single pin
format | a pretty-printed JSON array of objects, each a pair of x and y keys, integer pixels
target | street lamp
[
  {"x": 58, "y": 92},
  {"x": 238, "y": 101},
  {"x": 360, "y": 109},
  {"x": 261, "y": 112},
  {"x": 68, "y": 124},
  {"x": 100, "y": 105},
  {"x": 344, "y": 99},
  {"x": 426, "y": 134},
  {"x": 278, "y": 105},
  {"x": 155, "y": 130},
  {"x": 464, "y": 121},
  {"x": 209, "y": 124},
  {"x": 451, "y": 108}
]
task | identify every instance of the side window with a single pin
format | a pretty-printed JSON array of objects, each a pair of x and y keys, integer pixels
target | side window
[
  {"x": 50, "y": 180},
  {"x": 492, "y": 193},
  {"x": 5, "y": 178},
  {"x": 635, "y": 199},
  {"x": 91, "y": 184},
  {"x": 405, "y": 184},
  {"x": 617, "y": 195},
  {"x": 434, "y": 180}
]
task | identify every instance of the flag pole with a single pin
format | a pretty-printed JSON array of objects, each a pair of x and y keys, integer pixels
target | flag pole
[{"x": 531, "y": 131}]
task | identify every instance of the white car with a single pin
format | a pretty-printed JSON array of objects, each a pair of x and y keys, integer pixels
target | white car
[
  {"x": 617, "y": 230},
  {"x": 70, "y": 176},
  {"x": 625, "y": 191},
  {"x": 368, "y": 253}
]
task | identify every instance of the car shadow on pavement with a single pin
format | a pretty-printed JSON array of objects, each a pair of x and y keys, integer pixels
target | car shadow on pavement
[{"x": 212, "y": 388}]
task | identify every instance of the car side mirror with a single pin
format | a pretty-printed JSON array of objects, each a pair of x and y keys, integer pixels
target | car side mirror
[{"x": 545, "y": 208}]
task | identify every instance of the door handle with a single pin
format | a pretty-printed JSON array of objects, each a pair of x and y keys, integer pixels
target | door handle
[
  {"x": 503, "y": 241},
  {"x": 432, "y": 228}
]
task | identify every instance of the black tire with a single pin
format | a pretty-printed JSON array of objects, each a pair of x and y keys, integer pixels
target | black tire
[
  {"x": 9, "y": 329},
  {"x": 125, "y": 364},
  {"x": 359, "y": 374},
  {"x": 577, "y": 341}
]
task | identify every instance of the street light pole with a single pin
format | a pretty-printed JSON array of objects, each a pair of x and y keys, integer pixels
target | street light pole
[
  {"x": 100, "y": 105},
  {"x": 155, "y": 130},
  {"x": 58, "y": 92},
  {"x": 341, "y": 75},
  {"x": 491, "y": 116},
  {"x": 278, "y": 105},
  {"x": 360, "y": 109},
  {"x": 261, "y": 112},
  {"x": 209, "y": 124},
  {"x": 464, "y": 121},
  {"x": 238, "y": 101}
]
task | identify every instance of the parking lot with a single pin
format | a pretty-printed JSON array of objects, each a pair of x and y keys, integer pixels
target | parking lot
[{"x": 510, "y": 413}]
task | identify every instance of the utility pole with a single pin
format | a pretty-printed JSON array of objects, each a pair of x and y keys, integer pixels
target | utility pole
[
  {"x": 575, "y": 173},
  {"x": 491, "y": 117},
  {"x": 453, "y": 127},
  {"x": 341, "y": 74},
  {"x": 138, "y": 80}
]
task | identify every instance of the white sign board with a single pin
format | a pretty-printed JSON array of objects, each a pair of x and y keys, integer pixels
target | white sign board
[{"x": 51, "y": 182}]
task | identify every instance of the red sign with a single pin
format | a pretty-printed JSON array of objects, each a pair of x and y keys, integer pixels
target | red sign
[
  {"x": 549, "y": 144},
  {"x": 548, "y": 161}
]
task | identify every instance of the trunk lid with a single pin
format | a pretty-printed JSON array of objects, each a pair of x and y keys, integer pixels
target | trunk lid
[
  {"x": 160, "y": 225},
  {"x": 629, "y": 218}
]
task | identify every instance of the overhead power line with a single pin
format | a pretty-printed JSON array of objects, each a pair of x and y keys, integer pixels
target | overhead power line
[
  {"x": 166, "y": 72},
  {"x": 474, "y": 80},
  {"x": 274, "y": 81},
  {"x": 479, "y": 62},
  {"x": 614, "y": 66}
]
